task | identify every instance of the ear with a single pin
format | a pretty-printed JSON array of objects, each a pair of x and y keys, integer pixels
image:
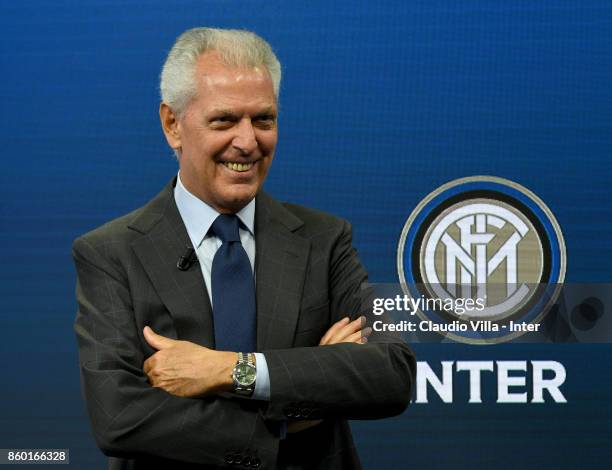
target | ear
[{"x": 170, "y": 125}]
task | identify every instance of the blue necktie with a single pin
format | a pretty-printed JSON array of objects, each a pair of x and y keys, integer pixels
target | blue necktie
[{"x": 233, "y": 290}]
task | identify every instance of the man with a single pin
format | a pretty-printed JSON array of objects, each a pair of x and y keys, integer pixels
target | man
[{"x": 213, "y": 323}]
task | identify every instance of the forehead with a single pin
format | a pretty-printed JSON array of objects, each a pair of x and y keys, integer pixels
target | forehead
[{"x": 221, "y": 83}]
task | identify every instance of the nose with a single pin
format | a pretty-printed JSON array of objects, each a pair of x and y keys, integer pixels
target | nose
[{"x": 245, "y": 141}]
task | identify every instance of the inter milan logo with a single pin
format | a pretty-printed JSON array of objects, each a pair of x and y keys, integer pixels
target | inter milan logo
[{"x": 486, "y": 239}]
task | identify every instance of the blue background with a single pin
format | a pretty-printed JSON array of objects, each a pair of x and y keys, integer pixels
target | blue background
[{"x": 381, "y": 102}]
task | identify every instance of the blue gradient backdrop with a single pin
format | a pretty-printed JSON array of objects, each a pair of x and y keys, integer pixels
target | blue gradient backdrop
[{"x": 381, "y": 102}]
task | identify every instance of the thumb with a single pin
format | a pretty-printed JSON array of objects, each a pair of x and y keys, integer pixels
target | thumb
[{"x": 157, "y": 341}]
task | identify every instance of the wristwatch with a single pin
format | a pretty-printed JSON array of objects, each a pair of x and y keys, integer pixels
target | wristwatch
[{"x": 244, "y": 374}]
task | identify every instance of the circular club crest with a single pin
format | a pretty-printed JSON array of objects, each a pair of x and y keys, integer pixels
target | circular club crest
[{"x": 487, "y": 239}]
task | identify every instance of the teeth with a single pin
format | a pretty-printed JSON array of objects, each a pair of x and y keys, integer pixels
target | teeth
[{"x": 238, "y": 166}]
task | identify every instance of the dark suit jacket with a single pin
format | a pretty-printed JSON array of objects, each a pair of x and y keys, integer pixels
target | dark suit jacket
[{"x": 308, "y": 276}]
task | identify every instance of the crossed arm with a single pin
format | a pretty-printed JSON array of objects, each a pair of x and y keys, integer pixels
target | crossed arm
[{"x": 185, "y": 369}]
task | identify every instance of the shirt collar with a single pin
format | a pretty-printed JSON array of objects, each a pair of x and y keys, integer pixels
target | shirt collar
[{"x": 199, "y": 216}]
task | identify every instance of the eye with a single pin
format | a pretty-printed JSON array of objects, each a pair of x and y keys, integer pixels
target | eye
[
  {"x": 265, "y": 121},
  {"x": 222, "y": 121}
]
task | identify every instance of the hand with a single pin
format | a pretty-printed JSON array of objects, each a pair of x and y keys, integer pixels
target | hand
[
  {"x": 343, "y": 331},
  {"x": 186, "y": 369},
  {"x": 346, "y": 331}
]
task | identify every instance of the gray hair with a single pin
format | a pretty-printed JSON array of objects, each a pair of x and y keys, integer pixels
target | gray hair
[{"x": 236, "y": 48}]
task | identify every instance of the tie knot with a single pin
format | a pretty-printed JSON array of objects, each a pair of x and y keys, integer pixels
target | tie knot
[{"x": 226, "y": 228}]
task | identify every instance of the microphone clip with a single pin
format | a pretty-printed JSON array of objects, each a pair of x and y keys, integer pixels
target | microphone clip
[{"x": 187, "y": 259}]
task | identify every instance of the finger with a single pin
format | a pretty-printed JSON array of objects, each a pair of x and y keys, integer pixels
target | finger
[
  {"x": 358, "y": 337},
  {"x": 149, "y": 376},
  {"x": 146, "y": 367},
  {"x": 349, "y": 329},
  {"x": 149, "y": 364},
  {"x": 342, "y": 330},
  {"x": 332, "y": 331},
  {"x": 157, "y": 341}
]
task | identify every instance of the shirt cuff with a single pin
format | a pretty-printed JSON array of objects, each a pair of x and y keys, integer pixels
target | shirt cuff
[{"x": 262, "y": 379}]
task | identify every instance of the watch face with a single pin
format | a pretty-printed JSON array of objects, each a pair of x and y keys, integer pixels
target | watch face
[{"x": 245, "y": 374}]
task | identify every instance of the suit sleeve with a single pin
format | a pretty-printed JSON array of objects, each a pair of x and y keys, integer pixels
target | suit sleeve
[
  {"x": 347, "y": 380},
  {"x": 130, "y": 418}
]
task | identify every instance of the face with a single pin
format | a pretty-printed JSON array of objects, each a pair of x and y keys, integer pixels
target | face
[{"x": 227, "y": 134}]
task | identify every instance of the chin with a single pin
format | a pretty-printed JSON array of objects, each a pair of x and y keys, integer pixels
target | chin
[{"x": 238, "y": 200}]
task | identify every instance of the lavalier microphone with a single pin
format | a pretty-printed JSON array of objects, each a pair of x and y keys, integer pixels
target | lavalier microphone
[{"x": 187, "y": 259}]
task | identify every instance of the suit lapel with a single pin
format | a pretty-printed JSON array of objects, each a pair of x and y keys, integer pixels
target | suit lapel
[
  {"x": 281, "y": 261},
  {"x": 183, "y": 293}
]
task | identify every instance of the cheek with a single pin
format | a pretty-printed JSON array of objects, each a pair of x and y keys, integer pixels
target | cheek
[
  {"x": 203, "y": 144},
  {"x": 203, "y": 157},
  {"x": 268, "y": 141},
  {"x": 263, "y": 166}
]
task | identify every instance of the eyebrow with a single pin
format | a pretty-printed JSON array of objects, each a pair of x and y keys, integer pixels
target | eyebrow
[
  {"x": 268, "y": 110},
  {"x": 223, "y": 112}
]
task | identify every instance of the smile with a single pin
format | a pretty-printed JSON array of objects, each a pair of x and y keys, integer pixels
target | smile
[{"x": 240, "y": 167}]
